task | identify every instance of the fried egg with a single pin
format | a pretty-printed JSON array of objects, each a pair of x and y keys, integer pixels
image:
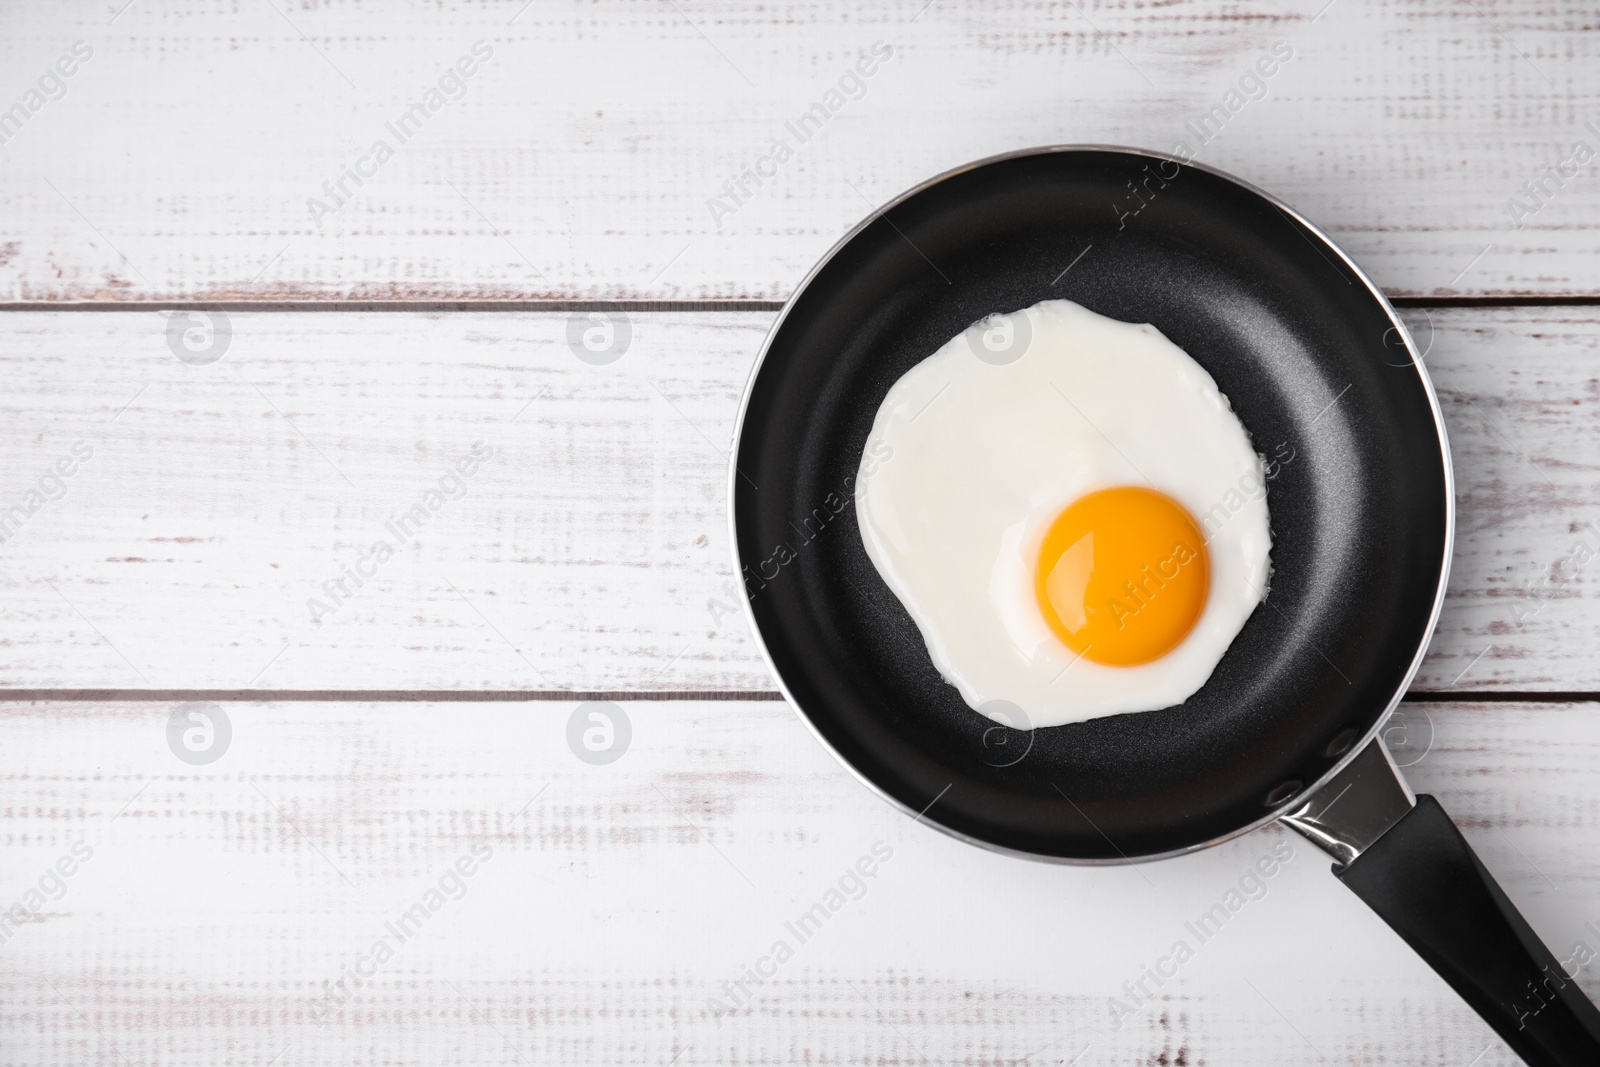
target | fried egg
[{"x": 1071, "y": 513}]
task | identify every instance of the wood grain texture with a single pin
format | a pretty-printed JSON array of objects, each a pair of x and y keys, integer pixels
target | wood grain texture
[
  {"x": 616, "y": 901},
  {"x": 591, "y": 552},
  {"x": 582, "y": 157},
  {"x": 581, "y": 914}
]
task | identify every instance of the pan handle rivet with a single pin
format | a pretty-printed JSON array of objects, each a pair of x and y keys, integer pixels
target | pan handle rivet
[
  {"x": 1284, "y": 792},
  {"x": 1342, "y": 742}
]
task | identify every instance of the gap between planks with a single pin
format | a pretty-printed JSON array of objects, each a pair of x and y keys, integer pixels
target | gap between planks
[
  {"x": 380, "y": 696},
  {"x": 492, "y": 696},
  {"x": 440, "y": 306}
]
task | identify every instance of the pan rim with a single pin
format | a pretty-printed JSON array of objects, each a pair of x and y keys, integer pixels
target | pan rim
[{"x": 1300, "y": 795}]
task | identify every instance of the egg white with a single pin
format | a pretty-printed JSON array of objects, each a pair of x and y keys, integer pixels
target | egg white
[{"x": 971, "y": 457}]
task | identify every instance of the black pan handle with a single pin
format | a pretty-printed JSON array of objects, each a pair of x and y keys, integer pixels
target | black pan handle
[{"x": 1412, "y": 866}]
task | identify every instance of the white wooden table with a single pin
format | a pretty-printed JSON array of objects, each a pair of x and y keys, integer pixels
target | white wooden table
[{"x": 356, "y": 346}]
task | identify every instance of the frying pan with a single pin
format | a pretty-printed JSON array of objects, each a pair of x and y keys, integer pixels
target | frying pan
[{"x": 1318, "y": 368}]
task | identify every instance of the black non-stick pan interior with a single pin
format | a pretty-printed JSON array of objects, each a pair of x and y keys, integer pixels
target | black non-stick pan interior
[{"x": 1318, "y": 374}]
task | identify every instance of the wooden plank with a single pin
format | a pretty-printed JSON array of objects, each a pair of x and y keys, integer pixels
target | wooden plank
[
  {"x": 583, "y": 553},
  {"x": 218, "y": 899},
  {"x": 1519, "y": 389},
  {"x": 582, "y": 157},
  {"x": 591, "y": 552}
]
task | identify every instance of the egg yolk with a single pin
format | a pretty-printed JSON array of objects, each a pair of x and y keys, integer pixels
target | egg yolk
[{"x": 1122, "y": 575}]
